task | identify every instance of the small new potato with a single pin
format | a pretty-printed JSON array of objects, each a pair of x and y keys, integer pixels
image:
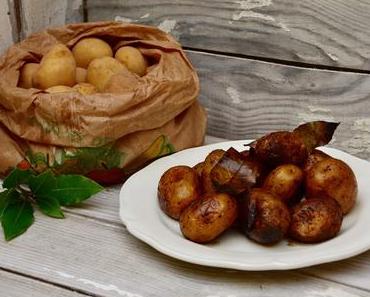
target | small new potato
[
  {"x": 285, "y": 182},
  {"x": 88, "y": 49},
  {"x": 101, "y": 70},
  {"x": 208, "y": 164},
  {"x": 81, "y": 74},
  {"x": 265, "y": 218},
  {"x": 85, "y": 88},
  {"x": 332, "y": 178},
  {"x": 315, "y": 220},
  {"x": 315, "y": 157},
  {"x": 133, "y": 59},
  {"x": 209, "y": 217},
  {"x": 177, "y": 189},
  {"x": 59, "y": 89},
  {"x": 26, "y": 75}
]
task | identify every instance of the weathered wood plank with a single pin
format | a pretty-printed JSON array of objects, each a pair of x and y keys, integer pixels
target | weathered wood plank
[
  {"x": 103, "y": 259},
  {"x": 37, "y": 15},
  {"x": 6, "y": 30},
  {"x": 18, "y": 286},
  {"x": 334, "y": 33}
]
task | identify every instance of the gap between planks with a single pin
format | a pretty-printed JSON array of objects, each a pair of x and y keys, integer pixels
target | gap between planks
[{"x": 277, "y": 61}]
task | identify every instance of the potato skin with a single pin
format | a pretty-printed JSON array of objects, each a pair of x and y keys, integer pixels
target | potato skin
[
  {"x": 26, "y": 75},
  {"x": 280, "y": 148},
  {"x": 133, "y": 59},
  {"x": 177, "y": 189},
  {"x": 88, "y": 49},
  {"x": 285, "y": 182},
  {"x": 315, "y": 220},
  {"x": 207, "y": 218},
  {"x": 332, "y": 178},
  {"x": 315, "y": 157},
  {"x": 265, "y": 218},
  {"x": 85, "y": 88},
  {"x": 59, "y": 89},
  {"x": 208, "y": 164}
]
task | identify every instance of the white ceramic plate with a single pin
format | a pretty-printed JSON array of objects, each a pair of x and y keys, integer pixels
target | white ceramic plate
[{"x": 140, "y": 212}]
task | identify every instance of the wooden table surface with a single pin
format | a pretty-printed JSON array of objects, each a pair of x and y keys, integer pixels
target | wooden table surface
[{"x": 90, "y": 253}]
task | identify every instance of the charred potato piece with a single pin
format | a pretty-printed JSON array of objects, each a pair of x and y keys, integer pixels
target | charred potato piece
[
  {"x": 177, "y": 189},
  {"x": 285, "y": 182},
  {"x": 280, "y": 148},
  {"x": 207, "y": 218},
  {"x": 332, "y": 178},
  {"x": 315, "y": 157},
  {"x": 315, "y": 220},
  {"x": 266, "y": 218},
  {"x": 210, "y": 161}
]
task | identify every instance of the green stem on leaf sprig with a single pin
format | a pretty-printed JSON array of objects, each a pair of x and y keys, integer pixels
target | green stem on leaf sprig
[{"x": 24, "y": 189}]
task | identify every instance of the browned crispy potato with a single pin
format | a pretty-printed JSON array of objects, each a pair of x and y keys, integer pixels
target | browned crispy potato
[
  {"x": 199, "y": 169},
  {"x": 332, "y": 178},
  {"x": 177, "y": 189},
  {"x": 285, "y": 182},
  {"x": 280, "y": 148},
  {"x": 207, "y": 218},
  {"x": 265, "y": 218},
  {"x": 315, "y": 220},
  {"x": 210, "y": 161},
  {"x": 315, "y": 157}
]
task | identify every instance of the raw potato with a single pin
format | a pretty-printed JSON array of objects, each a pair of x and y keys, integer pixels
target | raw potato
[
  {"x": 89, "y": 49},
  {"x": 315, "y": 157},
  {"x": 207, "y": 218},
  {"x": 81, "y": 75},
  {"x": 59, "y": 89},
  {"x": 85, "y": 88},
  {"x": 133, "y": 59},
  {"x": 208, "y": 164},
  {"x": 26, "y": 75},
  {"x": 177, "y": 189},
  {"x": 315, "y": 220},
  {"x": 285, "y": 182},
  {"x": 101, "y": 70},
  {"x": 57, "y": 67},
  {"x": 265, "y": 218},
  {"x": 332, "y": 178}
]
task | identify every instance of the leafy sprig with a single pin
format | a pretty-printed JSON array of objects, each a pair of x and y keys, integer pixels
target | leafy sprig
[{"x": 24, "y": 190}]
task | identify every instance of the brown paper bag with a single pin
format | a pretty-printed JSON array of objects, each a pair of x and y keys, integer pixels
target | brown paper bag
[{"x": 105, "y": 135}]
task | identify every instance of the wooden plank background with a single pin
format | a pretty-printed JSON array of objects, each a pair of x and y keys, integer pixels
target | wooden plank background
[{"x": 328, "y": 32}]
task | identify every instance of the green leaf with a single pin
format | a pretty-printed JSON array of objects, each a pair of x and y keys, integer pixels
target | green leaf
[
  {"x": 16, "y": 177},
  {"x": 42, "y": 184},
  {"x": 73, "y": 189},
  {"x": 17, "y": 217},
  {"x": 50, "y": 206},
  {"x": 5, "y": 197}
]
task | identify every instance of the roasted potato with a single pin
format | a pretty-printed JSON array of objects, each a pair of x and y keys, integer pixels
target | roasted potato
[
  {"x": 177, "y": 189},
  {"x": 265, "y": 218},
  {"x": 332, "y": 178},
  {"x": 88, "y": 49},
  {"x": 285, "y": 182},
  {"x": 210, "y": 161},
  {"x": 315, "y": 157},
  {"x": 315, "y": 220},
  {"x": 207, "y": 218},
  {"x": 280, "y": 148}
]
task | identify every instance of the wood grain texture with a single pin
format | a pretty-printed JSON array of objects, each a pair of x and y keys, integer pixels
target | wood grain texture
[
  {"x": 6, "y": 36},
  {"x": 103, "y": 259},
  {"x": 328, "y": 32},
  {"x": 37, "y": 15},
  {"x": 13, "y": 285}
]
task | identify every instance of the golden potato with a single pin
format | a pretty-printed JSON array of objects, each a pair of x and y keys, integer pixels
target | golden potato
[
  {"x": 207, "y": 218},
  {"x": 264, "y": 217},
  {"x": 88, "y": 49},
  {"x": 315, "y": 220},
  {"x": 208, "y": 164},
  {"x": 85, "y": 88},
  {"x": 101, "y": 70},
  {"x": 177, "y": 189},
  {"x": 315, "y": 157},
  {"x": 332, "y": 178},
  {"x": 81, "y": 74},
  {"x": 26, "y": 75},
  {"x": 57, "y": 67},
  {"x": 285, "y": 182},
  {"x": 133, "y": 59},
  {"x": 59, "y": 89}
]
